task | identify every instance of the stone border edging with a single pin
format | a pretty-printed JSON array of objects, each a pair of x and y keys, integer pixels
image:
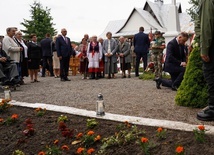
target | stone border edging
[{"x": 175, "y": 125}]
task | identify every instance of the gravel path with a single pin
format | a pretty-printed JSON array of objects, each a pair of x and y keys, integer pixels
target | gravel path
[{"x": 132, "y": 97}]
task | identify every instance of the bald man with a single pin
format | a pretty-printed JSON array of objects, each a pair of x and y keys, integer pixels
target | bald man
[{"x": 64, "y": 52}]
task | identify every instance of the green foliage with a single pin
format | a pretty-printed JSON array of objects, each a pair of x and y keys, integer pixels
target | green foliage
[
  {"x": 40, "y": 23},
  {"x": 18, "y": 152},
  {"x": 126, "y": 134},
  {"x": 91, "y": 123},
  {"x": 151, "y": 76},
  {"x": 192, "y": 11},
  {"x": 193, "y": 89}
]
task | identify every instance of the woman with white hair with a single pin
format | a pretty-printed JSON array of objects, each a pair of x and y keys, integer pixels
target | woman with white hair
[
  {"x": 23, "y": 56},
  {"x": 94, "y": 54},
  {"x": 125, "y": 57}
]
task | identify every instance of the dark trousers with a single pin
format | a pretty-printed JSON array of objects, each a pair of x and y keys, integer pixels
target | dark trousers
[
  {"x": 208, "y": 70},
  {"x": 138, "y": 57},
  {"x": 64, "y": 66},
  {"x": 176, "y": 78},
  {"x": 47, "y": 64}
]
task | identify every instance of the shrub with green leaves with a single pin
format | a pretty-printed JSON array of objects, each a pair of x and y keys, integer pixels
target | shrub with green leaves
[{"x": 193, "y": 89}]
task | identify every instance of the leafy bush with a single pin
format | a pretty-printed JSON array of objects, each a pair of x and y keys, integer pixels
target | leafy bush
[{"x": 193, "y": 89}]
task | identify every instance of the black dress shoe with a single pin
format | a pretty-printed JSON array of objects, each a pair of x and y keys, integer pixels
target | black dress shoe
[
  {"x": 158, "y": 83},
  {"x": 66, "y": 79},
  {"x": 136, "y": 75},
  {"x": 206, "y": 114},
  {"x": 63, "y": 80},
  {"x": 174, "y": 88}
]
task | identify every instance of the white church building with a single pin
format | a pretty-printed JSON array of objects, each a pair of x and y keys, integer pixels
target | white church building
[{"x": 167, "y": 18}]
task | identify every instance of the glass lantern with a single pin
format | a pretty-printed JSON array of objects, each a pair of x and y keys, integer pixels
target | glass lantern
[
  {"x": 7, "y": 93},
  {"x": 100, "y": 107}
]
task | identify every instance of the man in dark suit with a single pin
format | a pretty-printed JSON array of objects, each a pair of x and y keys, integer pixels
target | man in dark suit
[
  {"x": 46, "y": 45},
  {"x": 141, "y": 48},
  {"x": 175, "y": 62},
  {"x": 64, "y": 52}
]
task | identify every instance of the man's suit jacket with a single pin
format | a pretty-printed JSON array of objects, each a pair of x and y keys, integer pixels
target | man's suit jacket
[
  {"x": 174, "y": 56},
  {"x": 46, "y": 45},
  {"x": 64, "y": 49},
  {"x": 141, "y": 43},
  {"x": 113, "y": 47}
]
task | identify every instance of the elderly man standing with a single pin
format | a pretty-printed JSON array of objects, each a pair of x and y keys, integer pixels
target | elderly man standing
[
  {"x": 12, "y": 48},
  {"x": 205, "y": 30},
  {"x": 109, "y": 50},
  {"x": 125, "y": 57},
  {"x": 64, "y": 52}
]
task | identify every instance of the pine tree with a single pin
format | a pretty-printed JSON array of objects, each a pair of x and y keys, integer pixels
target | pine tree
[
  {"x": 192, "y": 11},
  {"x": 40, "y": 23}
]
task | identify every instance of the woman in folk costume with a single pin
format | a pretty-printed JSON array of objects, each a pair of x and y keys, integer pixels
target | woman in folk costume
[
  {"x": 125, "y": 57},
  {"x": 94, "y": 54},
  {"x": 83, "y": 58},
  {"x": 109, "y": 50}
]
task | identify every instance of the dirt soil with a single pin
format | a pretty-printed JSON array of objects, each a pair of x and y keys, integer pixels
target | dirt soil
[
  {"x": 129, "y": 96},
  {"x": 47, "y": 131}
]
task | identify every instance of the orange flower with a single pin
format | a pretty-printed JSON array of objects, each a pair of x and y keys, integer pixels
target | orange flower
[
  {"x": 97, "y": 138},
  {"x": 14, "y": 116},
  {"x": 38, "y": 109},
  {"x": 179, "y": 149},
  {"x": 80, "y": 150},
  {"x": 79, "y": 135},
  {"x": 65, "y": 147},
  {"x": 1, "y": 120},
  {"x": 90, "y": 133},
  {"x": 201, "y": 127},
  {"x": 160, "y": 129},
  {"x": 56, "y": 142},
  {"x": 144, "y": 140},
  {"x": 41, "y": 153},
  {"x": 90, "y": 151}
]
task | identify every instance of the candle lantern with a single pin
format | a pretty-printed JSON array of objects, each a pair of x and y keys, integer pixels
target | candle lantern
[
  {"x": 7, "y": 93},
  {"x": 100, "y": 107}
]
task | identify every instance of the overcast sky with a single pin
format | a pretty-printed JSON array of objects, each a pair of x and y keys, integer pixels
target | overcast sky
[{"x": 77, "y": 16}]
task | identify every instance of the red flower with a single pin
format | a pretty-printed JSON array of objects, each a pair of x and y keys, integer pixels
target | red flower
[
  {"x": 179, "y": 149},
  {"x": 80, "y": 150},
  {"x": 90, "y": 151},
  {"x": 201, "y": 127},
  {"x": 144, "y": 140},
  {"x": 62, "y": 126}
]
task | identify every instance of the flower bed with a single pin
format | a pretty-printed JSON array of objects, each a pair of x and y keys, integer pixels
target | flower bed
[{"x": 69, "y": 134}]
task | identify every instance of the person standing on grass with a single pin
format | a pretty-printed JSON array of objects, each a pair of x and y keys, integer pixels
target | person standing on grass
[{"x": 205, "y": 30}]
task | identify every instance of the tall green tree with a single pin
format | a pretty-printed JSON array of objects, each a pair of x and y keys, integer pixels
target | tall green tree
[
  {"x": 192, "y": 11},
  {"x": 40, "y": 22}
]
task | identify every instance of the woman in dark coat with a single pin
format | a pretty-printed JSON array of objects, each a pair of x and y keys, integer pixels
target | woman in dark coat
[{"x": 34, "y": 58}]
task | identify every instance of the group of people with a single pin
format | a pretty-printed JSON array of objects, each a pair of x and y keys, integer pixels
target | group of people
[{"x": 99, "y": 57}]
